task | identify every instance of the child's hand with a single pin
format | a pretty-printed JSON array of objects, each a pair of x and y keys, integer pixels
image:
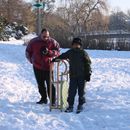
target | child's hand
[
  {"x": 55, "y": 60},
  {"x": 88, "y": 77}
]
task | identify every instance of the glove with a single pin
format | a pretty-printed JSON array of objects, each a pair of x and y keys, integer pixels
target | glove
[
  {"x": 53, "y": 60},
  {"x": 44, "y": 51},
  {"x": 88, "y": 77}
]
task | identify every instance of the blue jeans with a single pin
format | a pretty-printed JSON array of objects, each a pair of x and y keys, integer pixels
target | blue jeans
[{"x": 74, "y": 85}]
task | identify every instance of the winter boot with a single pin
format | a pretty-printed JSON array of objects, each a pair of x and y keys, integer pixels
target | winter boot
[
  {"x": 79, "y": 109},
  {"x": 42, "y": 101},
  {"x": 69, "y": 109}
]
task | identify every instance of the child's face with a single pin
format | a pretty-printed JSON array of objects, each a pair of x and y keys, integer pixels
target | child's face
[{"x": 76, "y": 46}]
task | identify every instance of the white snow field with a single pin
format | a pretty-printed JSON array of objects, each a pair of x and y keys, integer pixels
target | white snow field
[{"x": 107, "y": 94}]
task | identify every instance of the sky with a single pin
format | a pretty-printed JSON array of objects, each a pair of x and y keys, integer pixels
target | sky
[{"x": 124, "y": 5}]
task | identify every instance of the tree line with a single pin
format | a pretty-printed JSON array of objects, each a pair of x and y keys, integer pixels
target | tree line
[{"x": 68, "y": 19}]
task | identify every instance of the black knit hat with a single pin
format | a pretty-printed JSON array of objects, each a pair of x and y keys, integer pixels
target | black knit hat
[{"x": 77, "y": 41}]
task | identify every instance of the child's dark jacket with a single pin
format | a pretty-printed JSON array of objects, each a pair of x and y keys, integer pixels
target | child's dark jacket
[{"x": 79, "y": 62}]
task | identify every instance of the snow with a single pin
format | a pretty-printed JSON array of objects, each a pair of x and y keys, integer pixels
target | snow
[
  {"x": 28, "y": 37},
  {"x": 107, "y": 95}
]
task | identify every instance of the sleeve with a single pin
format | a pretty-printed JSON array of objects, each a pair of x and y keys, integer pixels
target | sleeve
[
  {"x": 28, "y": 52},
  {"x": 87, "y": 63},
  {"x": 87, "y": 58},
  {"x": 55, "y": 50},
  {"x": 62, "y": 56}
]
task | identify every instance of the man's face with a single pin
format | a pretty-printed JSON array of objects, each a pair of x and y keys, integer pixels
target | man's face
[{"x": 45, "y": 36}]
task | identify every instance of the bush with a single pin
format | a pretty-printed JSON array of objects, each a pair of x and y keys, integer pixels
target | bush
[{"x": 13, "y": 30}]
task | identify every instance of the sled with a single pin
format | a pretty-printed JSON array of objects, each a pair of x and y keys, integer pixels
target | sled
[
  {"x": 60, "y": 81},
  {"x": 64, "y": 94}
]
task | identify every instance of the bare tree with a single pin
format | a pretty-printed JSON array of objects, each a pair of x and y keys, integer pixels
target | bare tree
[
  {"x": 118, "y": 21},
  {"x": 99, "y": 22},
  {"x": 78, "y": 13},
  {"x": 128, "y": 20},
  {"x": 17, "y": 11}
]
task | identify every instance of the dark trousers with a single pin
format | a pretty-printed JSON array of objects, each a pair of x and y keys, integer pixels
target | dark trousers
[
  {"x": 43, "y": 77},
  {"x": 76, "y": 84}
]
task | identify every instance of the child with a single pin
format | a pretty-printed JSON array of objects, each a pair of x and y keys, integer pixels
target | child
[{"x": 79, "y": 71}]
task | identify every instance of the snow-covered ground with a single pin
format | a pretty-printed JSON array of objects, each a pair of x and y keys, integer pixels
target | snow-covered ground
[{"x": 108, "y": 94}]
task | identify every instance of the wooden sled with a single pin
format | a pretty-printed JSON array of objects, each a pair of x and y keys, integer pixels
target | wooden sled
[{"x": 60, "y": 81}]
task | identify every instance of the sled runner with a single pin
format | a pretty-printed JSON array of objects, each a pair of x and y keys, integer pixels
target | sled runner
[{"x": 60, "y": 81}]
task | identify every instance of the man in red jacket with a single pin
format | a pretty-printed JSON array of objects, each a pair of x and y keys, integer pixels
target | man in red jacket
[{"x": 38, "y": 52}]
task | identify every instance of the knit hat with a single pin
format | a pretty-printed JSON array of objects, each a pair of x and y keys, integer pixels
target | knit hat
[{"x": 77, "y": 41}]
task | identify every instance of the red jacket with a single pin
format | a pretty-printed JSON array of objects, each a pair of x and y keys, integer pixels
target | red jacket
[{"x": 35, "y": 56}]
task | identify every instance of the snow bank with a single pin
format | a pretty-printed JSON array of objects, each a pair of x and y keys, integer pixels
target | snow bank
[{"x": 28, "y": 37}]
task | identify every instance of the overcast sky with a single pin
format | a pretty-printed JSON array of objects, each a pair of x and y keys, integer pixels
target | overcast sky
[{"x": 124, "y": 5}]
